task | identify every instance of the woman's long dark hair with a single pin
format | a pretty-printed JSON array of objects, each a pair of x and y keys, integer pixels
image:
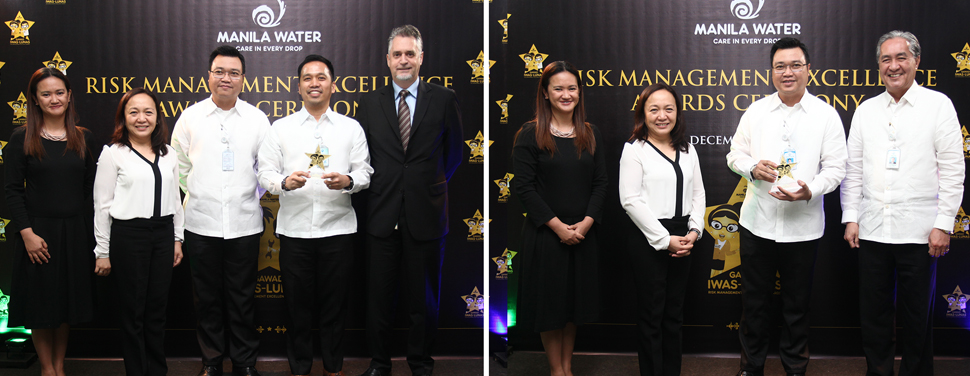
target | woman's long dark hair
[
  {"x": 585, "y": 139},
  {"x": 678, "y": 136},
  {"x": 159, "y": 134},
  {"x": 35, "y": 118}
]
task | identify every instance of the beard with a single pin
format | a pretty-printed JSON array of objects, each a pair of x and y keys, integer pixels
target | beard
[{"x": 404, "y": 77}]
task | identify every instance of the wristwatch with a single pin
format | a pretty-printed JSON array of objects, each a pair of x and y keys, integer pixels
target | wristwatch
[
  {"x": 694, "y": 230},
  {"x": 283, "y": 184},
  {"x": 351, "y": 185}
]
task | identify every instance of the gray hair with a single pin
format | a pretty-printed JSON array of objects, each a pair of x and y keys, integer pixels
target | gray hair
[
  {"x": 405, "y": 31},
  {"x": 911, "y": 41}
]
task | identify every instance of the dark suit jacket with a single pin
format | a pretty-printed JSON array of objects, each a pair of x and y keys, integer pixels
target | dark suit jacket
[{"x": 419, "y": 178}]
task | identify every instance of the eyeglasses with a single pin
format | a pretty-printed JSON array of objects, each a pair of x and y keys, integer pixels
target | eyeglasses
[
  {"x": 233, "y": 75},
  {"x": 795, "y": 67}
]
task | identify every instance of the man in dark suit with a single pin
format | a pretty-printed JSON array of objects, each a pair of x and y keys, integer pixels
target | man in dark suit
[{"x": 415, "y": 137}]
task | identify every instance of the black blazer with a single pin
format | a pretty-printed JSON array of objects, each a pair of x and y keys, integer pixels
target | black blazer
[{"x": 418, "y": 179}]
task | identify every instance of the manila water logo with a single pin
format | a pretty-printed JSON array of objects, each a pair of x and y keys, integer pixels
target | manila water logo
[
  {"x": 744, "y": 10},
  {"x": 263, "y": 15}
]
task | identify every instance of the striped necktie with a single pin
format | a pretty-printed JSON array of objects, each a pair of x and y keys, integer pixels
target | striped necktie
[{"x": 404, "y": 119}]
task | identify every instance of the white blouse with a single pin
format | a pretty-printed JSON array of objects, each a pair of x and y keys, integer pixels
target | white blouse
[
  {"x": 648, "y": 190},
  {"x": 124, "y": 188}
]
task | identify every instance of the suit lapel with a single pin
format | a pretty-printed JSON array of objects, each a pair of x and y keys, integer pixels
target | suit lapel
[
  {"x": 424, "y": 100},
  {"x": 387, "y": 106}
]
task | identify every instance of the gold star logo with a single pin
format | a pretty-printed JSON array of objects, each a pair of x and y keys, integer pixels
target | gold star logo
[
  {"x": 58, "y": 63},
  {"x": 476, "y": 226},
  {"x": 478, "y": 67},
  {"x": 961, "y": 225},
  {"x": 722, "y": 224},
  {"x": 2, "y": 64},
  {"x": 317, "y": 158},
  {"x": 474, "y": 302},
  {"x": 533, "y": 61},
  {"x": 505, "y": 27},
  {"x": 963, "y": 58},
  {"x": 784, "y": 169},
  {"x": 966, "y": 143},
  {"x": 504, "y": 262},
  {"x": 477, "y": 146},
  {"x": 956, "y": 301},
  {"x": 504, "y": 105},
  {"x": 19, "y": 30},
  {"x": 3, "y": 144},
  {"x": 19, "y": 107},
  {"x": 503, "y": 187},
  {"x": 3, "y": 229}
]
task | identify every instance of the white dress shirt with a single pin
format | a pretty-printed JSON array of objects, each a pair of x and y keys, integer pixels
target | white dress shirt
[
  {"x": 314, "y": 211},
  {"x": 648, "y": 190},
  {"x": 218, "y": 203},
  {"x": 815, "y": 132},
  {"x": 903, "y": 205},
  {"x": 124, "y": 188},
  {"x": 411, "y": 100}
]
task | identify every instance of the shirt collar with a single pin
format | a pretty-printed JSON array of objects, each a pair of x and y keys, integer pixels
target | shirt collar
[
  {"x": 210, "y": 106},
  {"x": 911, "y": 96},
  {"x": 413, "y": 89},
  {"x": 307, "y": 117},
  {"x": 803, "y": 104}
]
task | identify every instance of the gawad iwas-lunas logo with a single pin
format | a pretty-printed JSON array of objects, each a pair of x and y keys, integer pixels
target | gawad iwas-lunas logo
[
  {"x": 504, "y": 105},
  {"x": 19, "y": 30},
  {"x": 477, "y": 146},
  {"x": 722, "y": 225},
  {"x": 478, "y": 68},
  {"x": 503, "y": 188},
  {"x": 58, "y": 63},
  {"x": 474, "y": 304},
  {"x": 269, "y": 283},
  {"x": 56, "y": 2},
  {"x": 745, "y": 10},
  {"x": 4, "y": 307},
  {"x": 533, "y": 62},
  {"x": 961, "y": 225},
  {"x": 505, "y": 27},
  {"x": 504, "y": 264},
  {"x": 264, "y": 16},
  {"x": 2, "y": 64},
  {"x": 966, "y": 143},
  {"x": 3, "y": 144},
  {"x": 19, "y": 107},
  {"x": 956, "y": 303},
  {"x": 963, "y": 61},
  {"x": 476, "y": 227},
  {"x": 3, "y": 229}
]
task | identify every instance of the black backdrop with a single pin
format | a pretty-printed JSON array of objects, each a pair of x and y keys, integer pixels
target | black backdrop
[
  {"x": 715, "y": 53},
  {"x": 165, "y": 45}
]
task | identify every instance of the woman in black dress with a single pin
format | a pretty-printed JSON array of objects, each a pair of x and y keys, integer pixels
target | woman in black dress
[
  {"x": 560, "y": 178},
  {"x": 50, "y": 171},
  {"x": 662, "y": 191}
]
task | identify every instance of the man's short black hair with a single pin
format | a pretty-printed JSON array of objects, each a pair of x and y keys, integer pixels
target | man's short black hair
[
  {"x": 309, "y": 58},
  {"x": 786, "y": 43},
  {"x": 227, "y": 50}
]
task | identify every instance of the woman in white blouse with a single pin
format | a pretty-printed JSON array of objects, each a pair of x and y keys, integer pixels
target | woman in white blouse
[
  {"x": 662, "y": 191},
  {"x": 138, "y": 226}
]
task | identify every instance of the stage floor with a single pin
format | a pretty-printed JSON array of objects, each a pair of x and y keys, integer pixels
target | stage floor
[
  {"x": 190, "y": 367},
  {"x": 534, "y": 364}
]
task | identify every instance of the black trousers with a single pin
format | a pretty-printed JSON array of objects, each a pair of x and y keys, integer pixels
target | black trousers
[
  {"x": 315, "y": 273},
  {"x": 884, "y": 268},
  {"x": 661, "y": 283},
  {"x": 795, "y": 265},
  {"x": 224, "y": 284},
  {"x": 142, "y": 253},
  {"x": 420, "y": 263}
]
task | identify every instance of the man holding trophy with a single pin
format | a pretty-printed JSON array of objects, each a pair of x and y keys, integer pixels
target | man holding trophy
[
  {"x": 314, "y": 160},
  {"x": 790, "y": 146}
]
